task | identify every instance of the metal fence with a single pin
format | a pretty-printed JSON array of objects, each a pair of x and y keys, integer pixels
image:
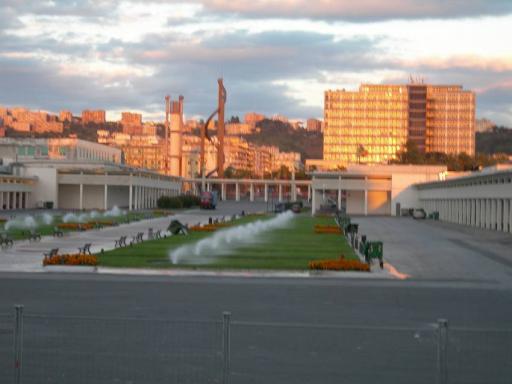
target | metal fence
[{"x": 55, "y": 349}]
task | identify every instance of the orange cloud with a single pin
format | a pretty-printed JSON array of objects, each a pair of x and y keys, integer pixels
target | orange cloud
[{"x": 495, "y": 64}]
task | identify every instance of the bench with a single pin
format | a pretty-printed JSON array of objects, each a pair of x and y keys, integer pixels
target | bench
[
  {"x": 138, "y": 238},
  {"x": 6, "y": 240},
  {"x": 57, "y": 232},
  {"x": 51, "y": 253},
  {"x": 34, "y": 236},
  {"x": 121, "y": 242},
  {"x": 85, "y": 249}
]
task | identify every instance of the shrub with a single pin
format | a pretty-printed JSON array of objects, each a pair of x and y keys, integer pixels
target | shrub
[
  {"x": 340, "y": 264},
  {"x": 181, "y": 201},
  {"x": 71, "y": 259}
]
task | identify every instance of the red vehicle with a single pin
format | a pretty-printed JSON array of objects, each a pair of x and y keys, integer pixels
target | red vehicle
[{"x": 208, "y": 200}]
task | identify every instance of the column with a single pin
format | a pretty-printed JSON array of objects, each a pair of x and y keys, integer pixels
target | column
[
  {"x": 468, "y": 212},
  {"x": 366, "y": 202},
  {"x": 487, "y": 213},
  {"x": 509, "y": 213},
  {"x": 266, "y": 192},
  {"x": 339, "y": 197},
  {"x": 1, "y": 201},
  {"x": 313, "y": 201},
  {"x": 494, "y": 218},
  {"x": 499, "y": 215},
  {"x": 105, "y": 195},
  {"x": 280, "y": 193},
  {"x": 237, "y": 192},
  {"x": 81, "y": 204},
  {"x": 136, "y": 197},
  {"x": 130, "y": 194},
  {"x": 223, "y": 191},
  {"x": 506, "y": 216},
  {"x": 309, "y": 192},
  {"x": 293, "y": 191},
  {"x": 473, "y": 213},
  {"x": 482, "y": 213},
  {"x": 251, "y": 192},
  {"x": 8, "y": 205}
]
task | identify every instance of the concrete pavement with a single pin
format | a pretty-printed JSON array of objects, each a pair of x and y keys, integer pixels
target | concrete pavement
[{"x": 426, "y": 249}]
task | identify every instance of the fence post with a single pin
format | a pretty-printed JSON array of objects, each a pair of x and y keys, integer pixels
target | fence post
[
  {"x": 442, "y": 351},
  {"x": 18, "y": 343},
  {"x": 226, "y": 341}
]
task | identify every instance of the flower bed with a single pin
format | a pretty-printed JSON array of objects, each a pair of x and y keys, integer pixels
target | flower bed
[
  {"x": 208, "y": 227},
  {"x": 328, "y": 229},
  {"x": 71, "y": 259},
  {"x": 76, "y": 226},
  {"x": 340, "y": 264}
]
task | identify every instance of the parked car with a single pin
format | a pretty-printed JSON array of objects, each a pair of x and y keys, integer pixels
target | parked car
[
  {"x": 208, "y": 200},
  {"x": 419, "y": 214}
]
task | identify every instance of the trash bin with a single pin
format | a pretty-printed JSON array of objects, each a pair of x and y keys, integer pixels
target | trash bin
[{"x": 376, "y": 251}]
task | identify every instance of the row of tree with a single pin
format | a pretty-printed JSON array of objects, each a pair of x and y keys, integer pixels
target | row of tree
[{"x": 459, "y": 162}]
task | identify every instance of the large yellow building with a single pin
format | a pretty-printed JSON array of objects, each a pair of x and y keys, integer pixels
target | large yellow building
[{"x": 372, "y": 124}]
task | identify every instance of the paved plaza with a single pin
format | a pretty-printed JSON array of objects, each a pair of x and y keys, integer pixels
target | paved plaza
[{"x": 426, "y": 249}]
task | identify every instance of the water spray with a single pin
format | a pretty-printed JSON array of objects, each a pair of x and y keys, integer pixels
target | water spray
[{"x": 224, "y": 241}]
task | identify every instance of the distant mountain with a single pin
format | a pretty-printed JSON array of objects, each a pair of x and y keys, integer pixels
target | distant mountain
[
  {"x": 288, "y": 139},
  {"x": 497, "y": 140}
]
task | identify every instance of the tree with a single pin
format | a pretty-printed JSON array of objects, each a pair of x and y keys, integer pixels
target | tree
[
  {"x": 361, "y": 152},
  {"x": 410, "y": 154}
]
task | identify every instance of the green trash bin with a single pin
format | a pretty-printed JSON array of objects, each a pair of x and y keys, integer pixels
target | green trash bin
[{"x": 376, "y": 251}]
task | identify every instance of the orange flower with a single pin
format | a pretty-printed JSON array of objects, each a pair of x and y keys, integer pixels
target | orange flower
[
  {"x": 327, "y": 229},
  {"x": 340, "y": 264},
  {"x": 71, "y": 259}
]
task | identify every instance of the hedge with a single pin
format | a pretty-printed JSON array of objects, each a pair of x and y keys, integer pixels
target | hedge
[{"x": 181, "y": 201}]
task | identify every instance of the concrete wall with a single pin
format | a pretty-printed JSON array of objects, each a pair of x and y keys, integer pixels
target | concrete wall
[
  {"x": 46, "y": 188},
  {"x": 94, "y": 197},
  {"x": 355, "y": 202},
  {"x": 379, "y": 202},
  {"x": 69, "y": 196},
  {"x": 403, "y": 191},
  {"x": 118, "y": 195}
]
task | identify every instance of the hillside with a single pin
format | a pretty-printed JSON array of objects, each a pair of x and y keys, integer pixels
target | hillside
[
  {"x": 499, "y": 140},
  {"x": 287, "y": 139}
]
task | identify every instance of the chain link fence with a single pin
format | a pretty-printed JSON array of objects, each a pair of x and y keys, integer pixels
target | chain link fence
[
  {"x": 479, "y": 355},
  {"x": 6, "y": 347},
  {"x": 56, "y": 349},
  {"x": 357, "y": 354}
]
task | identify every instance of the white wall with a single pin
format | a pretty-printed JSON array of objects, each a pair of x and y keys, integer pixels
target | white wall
[
  {"x": 46, "y": 187},
  {"x": 94, "y": 197},
  {"x": 355, "y": 202},
  {"x": 403, "y": 190},
  {"x": 379, "y": 203},
  {"x": 118, "y": 195},
  {"x": 69, "y": 196}
]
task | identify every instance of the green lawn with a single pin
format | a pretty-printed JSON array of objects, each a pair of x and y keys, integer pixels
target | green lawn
[{"x": 287, "y": 248}]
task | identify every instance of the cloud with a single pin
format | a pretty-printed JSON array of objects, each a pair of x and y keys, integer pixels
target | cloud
[
  {"x": 362, "y": 10},
  {"x": 127, "y": 55}
]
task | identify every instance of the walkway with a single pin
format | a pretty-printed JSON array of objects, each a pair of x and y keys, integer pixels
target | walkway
[{"x": 27, "y": 256}]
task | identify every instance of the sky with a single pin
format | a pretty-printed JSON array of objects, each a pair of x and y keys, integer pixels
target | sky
[{"x": 276, "y": 56}]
